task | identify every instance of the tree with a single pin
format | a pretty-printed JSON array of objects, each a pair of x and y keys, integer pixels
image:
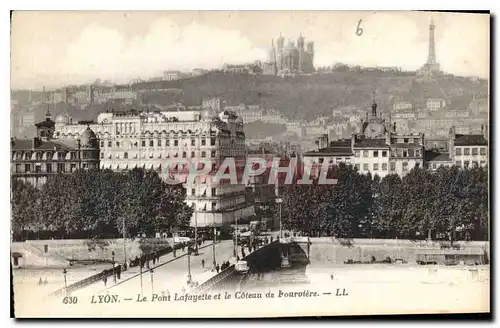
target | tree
[
  {"x": 388, "y": 207},
  {"x": 23, "y": 204},
  {"x": 149, "y": 204},
  {"x": 417, "y": 189},
  {"x": 351, "y": 202}
]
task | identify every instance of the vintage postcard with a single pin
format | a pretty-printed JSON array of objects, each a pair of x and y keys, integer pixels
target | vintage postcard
[{"x": 225, "y": 164}]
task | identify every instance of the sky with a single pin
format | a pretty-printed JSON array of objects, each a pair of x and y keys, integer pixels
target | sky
[{"x": 54, "y": 49}]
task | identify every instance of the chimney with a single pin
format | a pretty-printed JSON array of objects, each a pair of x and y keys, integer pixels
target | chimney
[{"x": 36, "y": 142}]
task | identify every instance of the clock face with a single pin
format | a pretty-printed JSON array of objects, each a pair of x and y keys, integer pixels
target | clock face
[{"x": 374, "y": 130}]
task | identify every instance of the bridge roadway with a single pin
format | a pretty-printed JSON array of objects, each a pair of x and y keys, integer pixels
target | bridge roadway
[{"x": 171, "y": 274}]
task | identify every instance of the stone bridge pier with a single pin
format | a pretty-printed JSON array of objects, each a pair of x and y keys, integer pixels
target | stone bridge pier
[
  {"x": 287, "y": 256},
  {"x": 294, "y": 251}
]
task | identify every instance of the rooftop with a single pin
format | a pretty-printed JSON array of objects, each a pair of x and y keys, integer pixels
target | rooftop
[
  {"x": 406, "y": 145},
  {"x": 435, "y": 156},
  {"x": 378, "y": 143},
  {"x": 470, "y": 140},
  {"x": 336, "y": 148},
  {"x": 48, "y": 123},
  {"x": 27, "y": 144}
]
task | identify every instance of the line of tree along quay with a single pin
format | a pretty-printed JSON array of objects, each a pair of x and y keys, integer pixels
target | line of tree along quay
[
  {"x": 449, "y": 204},
  {"x": 94, "y": 204}
]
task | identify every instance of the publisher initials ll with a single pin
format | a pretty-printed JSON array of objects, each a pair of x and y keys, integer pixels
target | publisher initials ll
[{"x": 343, "y": 293}]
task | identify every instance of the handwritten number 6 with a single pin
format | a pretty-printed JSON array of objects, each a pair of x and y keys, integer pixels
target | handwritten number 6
[{"x": 359, "y": 30}]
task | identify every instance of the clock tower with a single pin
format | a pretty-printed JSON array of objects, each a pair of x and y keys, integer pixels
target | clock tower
[{"x": 374, "y": 126}]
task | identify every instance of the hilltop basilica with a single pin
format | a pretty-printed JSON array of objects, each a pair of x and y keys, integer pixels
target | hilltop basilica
[{"x": 292, "y": 58}]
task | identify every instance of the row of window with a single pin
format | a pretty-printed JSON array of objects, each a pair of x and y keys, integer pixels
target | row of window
[
  {"x": 214, "y": 206},
  {"x": 338, "y": 160},
  {"x": 213, "y": 192},
  {"x": 366, "y": 153},
  {"x": 29, "y": 155},
  {"x": 467, "y": 164},
  {"x": 470, "y": 150},
  {"x": 434, "y": 166},
  {"x": 159, "y": 143},
  {"x": 394, "y": 153},
  {"x": 383, "y": 167},
  {"x": 125, "y": 155},
  {"x": 48, "y": 168},
  {"x": 408, "y": 140}
]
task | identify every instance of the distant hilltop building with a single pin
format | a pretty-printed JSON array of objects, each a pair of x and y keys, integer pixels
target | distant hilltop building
[
  {"x": 90, "y": 94},
  {"x": 431, "y": 67},
  {"x": 292, "y": 58},
  {"x": 172, "y": 75},
  {"x": 249, "y": 68}
]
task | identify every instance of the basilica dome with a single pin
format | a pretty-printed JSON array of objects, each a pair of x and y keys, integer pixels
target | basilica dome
[
  {"x": 208, "y": 114},
  {"x": 63, "y": 119},
  {"x": 88, "y": 138}
]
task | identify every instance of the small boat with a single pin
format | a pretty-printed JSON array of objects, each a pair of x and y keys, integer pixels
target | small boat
[{"x": 241, "y": 267}]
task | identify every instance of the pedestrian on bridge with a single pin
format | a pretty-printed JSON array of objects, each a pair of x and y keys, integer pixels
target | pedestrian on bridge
[
  {"x": 105, "y": 280},
  {"x": 203, "y": 263},
  {"x": 217, "y": 268},
  {"x": 118, "y": 271},
  {"x": 154, "y": 260}
]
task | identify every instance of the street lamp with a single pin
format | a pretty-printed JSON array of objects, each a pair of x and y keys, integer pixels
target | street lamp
[
  {"x": 141, "y": 263},
  {"x": 173, "y": 240},
  {"x": 215, "y": 240},
  {"x": 189, "y": 263},
  {"x": 280, "y": 201},
  {"x": 235, "y": 237},
  {"x": 152, "y": 288},
  {"x": 195, "y": 232},
  {"x": 114, "y": 271},
  {"x": 65, "y": 282},
  {"x": 124, "y": 242}
]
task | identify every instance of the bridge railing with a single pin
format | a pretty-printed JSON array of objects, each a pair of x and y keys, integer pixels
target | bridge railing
[
  {"x": 289, "y": 240},
  {"x": 215, "y": 280},
  {"x": 109, "y": 272}
]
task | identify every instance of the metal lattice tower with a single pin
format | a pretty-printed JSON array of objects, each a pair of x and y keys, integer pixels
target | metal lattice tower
[{"x": 432, "y": 48}]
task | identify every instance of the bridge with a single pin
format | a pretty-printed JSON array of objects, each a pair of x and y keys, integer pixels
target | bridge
[{"x": 287, "y": 255}]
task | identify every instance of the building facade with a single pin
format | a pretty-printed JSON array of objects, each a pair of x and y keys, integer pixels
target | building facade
[
  {"x": 377, "y": 149},
  {"x": 151, "y": 140},
  {"x": 469, "y": 150},
  {"x": 34, "y": 160}
]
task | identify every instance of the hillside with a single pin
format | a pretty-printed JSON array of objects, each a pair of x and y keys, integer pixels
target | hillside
[
  {"x": 306, "y": 97},
  {"x": 300, "y": 97},
  {"x": 260, "y": 130}
]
